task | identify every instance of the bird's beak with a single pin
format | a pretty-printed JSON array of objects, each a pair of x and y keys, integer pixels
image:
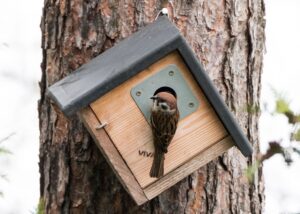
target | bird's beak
[{"x": 153, "y": 97}]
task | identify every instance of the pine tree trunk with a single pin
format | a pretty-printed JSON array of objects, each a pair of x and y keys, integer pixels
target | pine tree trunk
[{"x": 228, "y": 38}]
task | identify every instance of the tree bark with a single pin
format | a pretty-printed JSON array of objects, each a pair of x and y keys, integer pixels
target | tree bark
[{"x": 228, "y": 38}]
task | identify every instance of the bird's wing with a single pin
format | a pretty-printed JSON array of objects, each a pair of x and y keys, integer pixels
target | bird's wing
[{"x": 163, "y": 134}]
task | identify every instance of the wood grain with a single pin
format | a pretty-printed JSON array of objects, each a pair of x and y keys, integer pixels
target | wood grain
[
  {"x": 112, "y": 156},
  {"x": 189, "y": 167},
  {"x": 131, "y": 133}
]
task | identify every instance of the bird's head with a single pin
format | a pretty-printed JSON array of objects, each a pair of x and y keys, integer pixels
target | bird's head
[{"x": 165, "y": 102}]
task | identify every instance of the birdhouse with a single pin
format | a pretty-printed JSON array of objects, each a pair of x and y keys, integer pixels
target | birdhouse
[{"x": 111, "y": 95}]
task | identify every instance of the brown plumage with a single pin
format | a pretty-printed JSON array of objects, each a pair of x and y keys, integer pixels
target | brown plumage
[{"x": 164, "y": 119}]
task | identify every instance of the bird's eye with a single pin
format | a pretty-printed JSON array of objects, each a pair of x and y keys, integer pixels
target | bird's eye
[{"x": 164, "y": 106}]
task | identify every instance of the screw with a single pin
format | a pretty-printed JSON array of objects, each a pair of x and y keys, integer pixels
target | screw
[
  {"x": 101, "y": 126},
  {"x": 171, "y": 73},
  {"x": 138, "y": 93},
  {"x": 191, "y": 104}
]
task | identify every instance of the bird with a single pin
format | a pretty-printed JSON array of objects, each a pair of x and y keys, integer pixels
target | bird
[{"x": 164, "y": 119}]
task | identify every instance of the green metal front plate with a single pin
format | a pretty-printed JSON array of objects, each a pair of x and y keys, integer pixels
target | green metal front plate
[{"x": 168, "y": 77}]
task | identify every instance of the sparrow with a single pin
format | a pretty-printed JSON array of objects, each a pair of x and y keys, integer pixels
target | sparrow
[{"x": 164, "y": 119}]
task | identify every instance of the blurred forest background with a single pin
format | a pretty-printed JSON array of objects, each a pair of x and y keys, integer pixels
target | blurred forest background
[{"x": 20, "y": 58}]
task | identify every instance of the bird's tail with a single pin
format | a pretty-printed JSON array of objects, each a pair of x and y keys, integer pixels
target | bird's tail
[{"x": 157, "y": 169}]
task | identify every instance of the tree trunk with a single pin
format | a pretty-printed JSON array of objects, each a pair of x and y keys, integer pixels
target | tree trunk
[{"x": 228, "y": 38}]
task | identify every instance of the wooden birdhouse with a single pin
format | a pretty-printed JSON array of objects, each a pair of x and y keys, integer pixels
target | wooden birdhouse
[{"x": 111, "y": 95}]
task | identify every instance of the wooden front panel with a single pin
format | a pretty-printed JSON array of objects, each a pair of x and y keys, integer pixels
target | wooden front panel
[{"x": 131, "y": 134}]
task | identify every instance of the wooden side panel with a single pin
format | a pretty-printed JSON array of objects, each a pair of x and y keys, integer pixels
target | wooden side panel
[
  {"x": 189, "y": 167},
  {"x": 112, "y": 156},
  {"x": 131, "y": 133}
]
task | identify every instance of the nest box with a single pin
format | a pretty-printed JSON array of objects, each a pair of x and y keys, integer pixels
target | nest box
[{"x": 111, "y": 94}]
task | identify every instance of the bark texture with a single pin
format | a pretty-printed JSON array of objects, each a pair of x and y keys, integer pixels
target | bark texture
[{"x": 228, "y": 38}]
